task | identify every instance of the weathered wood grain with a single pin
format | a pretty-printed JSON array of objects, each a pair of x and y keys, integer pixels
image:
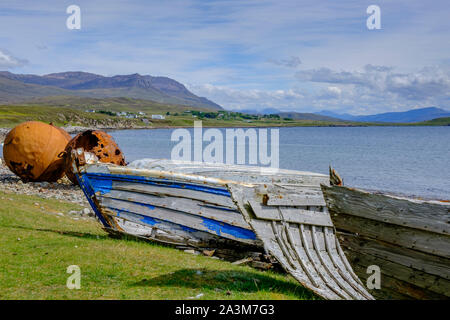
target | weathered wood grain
[
  {"x": 297, "y": 195},
  {"x": 419, "y": 279},
  {"x": 161, "y": 190},
  {"x": 237, "y": 173},
  {"x": 194, "y": 207},
  {"x": 391, "y": 288},
  {"x": 422, "y": 216},
  {"x": 413, "y": 259},
  {"x": 420, "y": 240},
  {"x": 290, "y": 214},
  {"x": 303, "y": 249},
  {"x": 174, "y": 216}
]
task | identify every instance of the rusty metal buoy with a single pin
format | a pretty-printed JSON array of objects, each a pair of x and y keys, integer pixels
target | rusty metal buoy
[
  {"x": 97, "y": 142},
  {"x": 33, "y": 151}
]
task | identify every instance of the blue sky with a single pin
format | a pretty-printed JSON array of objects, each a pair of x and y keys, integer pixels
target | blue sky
[{"x": 301, "y": 56}]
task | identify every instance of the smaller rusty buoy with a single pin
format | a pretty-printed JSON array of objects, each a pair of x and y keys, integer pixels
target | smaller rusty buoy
[
  {"x": 101, "y": 144},
  {"x": 32, "y": 150}
]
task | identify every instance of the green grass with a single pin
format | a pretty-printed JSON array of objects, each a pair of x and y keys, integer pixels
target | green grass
[
  {"x": 11, "y": 116},
  {"x": 436, "y": 122},
  {"x": 37, "y": 246}
]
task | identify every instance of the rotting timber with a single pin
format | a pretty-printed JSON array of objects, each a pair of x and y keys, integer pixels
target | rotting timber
[
  {"x": 200, "y": 205},
  {"x": 408, "y": 239}
]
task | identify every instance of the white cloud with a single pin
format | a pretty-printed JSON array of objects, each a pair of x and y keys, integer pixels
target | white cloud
[
  {"x": 249, "y": 99},
  {"x": 7, "y": 61},
  {"x": 431, "y": 83}
]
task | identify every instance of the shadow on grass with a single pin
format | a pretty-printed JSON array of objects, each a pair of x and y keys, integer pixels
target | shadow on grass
[
  {"x": 227, "y": 281},
  {"x": 83, "y": 235}
]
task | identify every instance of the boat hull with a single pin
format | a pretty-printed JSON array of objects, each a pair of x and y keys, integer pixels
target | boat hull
[
  {"x": 202, "y": 206},
  {"x": 174, "y": 212},
  {"x": 408, "y": 240}
]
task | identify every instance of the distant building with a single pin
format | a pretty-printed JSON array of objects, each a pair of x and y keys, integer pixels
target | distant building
[
  {"x": 158, "y": 116},
  {"x": 90, "y": 111},
  {"x": 141, "y": 113},
  {"x": 145, "y": 120}
]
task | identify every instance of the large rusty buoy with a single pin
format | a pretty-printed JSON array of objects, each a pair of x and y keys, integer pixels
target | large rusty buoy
[
  {"x": 97, "y": 142},
  {"x": 33, "y": 150}
]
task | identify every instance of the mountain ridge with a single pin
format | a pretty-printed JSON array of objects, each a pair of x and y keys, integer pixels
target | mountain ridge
[
  {"x": 413, "y": 115},
  {"x": 19, "y": 87}
]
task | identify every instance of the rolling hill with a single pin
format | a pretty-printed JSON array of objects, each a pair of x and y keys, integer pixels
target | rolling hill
[{"x": 22, "y": 87}]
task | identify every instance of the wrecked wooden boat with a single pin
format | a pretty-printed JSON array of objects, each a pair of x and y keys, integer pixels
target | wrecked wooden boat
[
  {"x": 409, "y": 240},
  {"x": 209, "y": 206}
]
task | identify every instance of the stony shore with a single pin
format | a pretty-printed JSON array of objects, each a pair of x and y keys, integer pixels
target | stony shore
[
  {"x": 77, "y": 129},
  {"x": 61, "y": 190}
]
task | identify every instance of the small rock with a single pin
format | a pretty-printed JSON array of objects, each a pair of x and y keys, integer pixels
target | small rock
[
  {"x": 197, "y": 296},
  {"x": 18, "y": 239},
  {"x": 191, "y": 251},
  {"x": 199, "y": 272},
  {"x": 86, "y": 211},
  {"x": 60, "y": 214},
  {"x": 36, "y": 204},
  {"x": 209, "y": 253}
]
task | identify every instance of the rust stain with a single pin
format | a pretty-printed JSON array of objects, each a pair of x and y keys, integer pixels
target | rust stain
[
  {"x": 101, "y": 144},
  {"x": 33, "y": 151}
]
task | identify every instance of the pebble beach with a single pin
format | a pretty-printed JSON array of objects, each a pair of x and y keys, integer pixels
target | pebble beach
[{"x": 62, "y": 190}]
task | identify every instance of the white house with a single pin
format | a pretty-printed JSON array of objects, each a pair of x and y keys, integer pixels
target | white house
[{"x": 158, "y": 116}]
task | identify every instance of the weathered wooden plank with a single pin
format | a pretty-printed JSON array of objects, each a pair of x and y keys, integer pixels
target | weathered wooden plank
[
  {"x": 293, "y": 200},
  {"x": 181, "y": 218},
  {"x": 171, "y": 234},
  {"x": 137, "y": 230},
  {"x": 184, "y": 205},
  {"x": 290, "y": 214},
  {"x": 428, "y": 263},
  {"x": 298, "y": 195},
  {"x": 161, "y": 225},
  {"x": 424, "y": 216},
  {"x": 393, "y": 289},
  {"x": 401, "y": 272},
  {"x": 237, "y": 173},
  {"x": 215, "y": 199},
  {"x": 424, "y": 241}
]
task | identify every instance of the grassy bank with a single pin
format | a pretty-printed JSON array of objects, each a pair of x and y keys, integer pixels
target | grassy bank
[
  {"x": 39, "y": 241},
  {"x": 175, "y": 116},
  {"x": 10, "y": 116}
]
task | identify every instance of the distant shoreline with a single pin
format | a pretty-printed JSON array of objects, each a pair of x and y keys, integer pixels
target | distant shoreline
[{"x": 77, "y": 129}]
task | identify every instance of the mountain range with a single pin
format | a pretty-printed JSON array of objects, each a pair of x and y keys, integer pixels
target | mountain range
[
  {"x": 23, "y": 87},
  {"x": 414, "y": 115}
]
